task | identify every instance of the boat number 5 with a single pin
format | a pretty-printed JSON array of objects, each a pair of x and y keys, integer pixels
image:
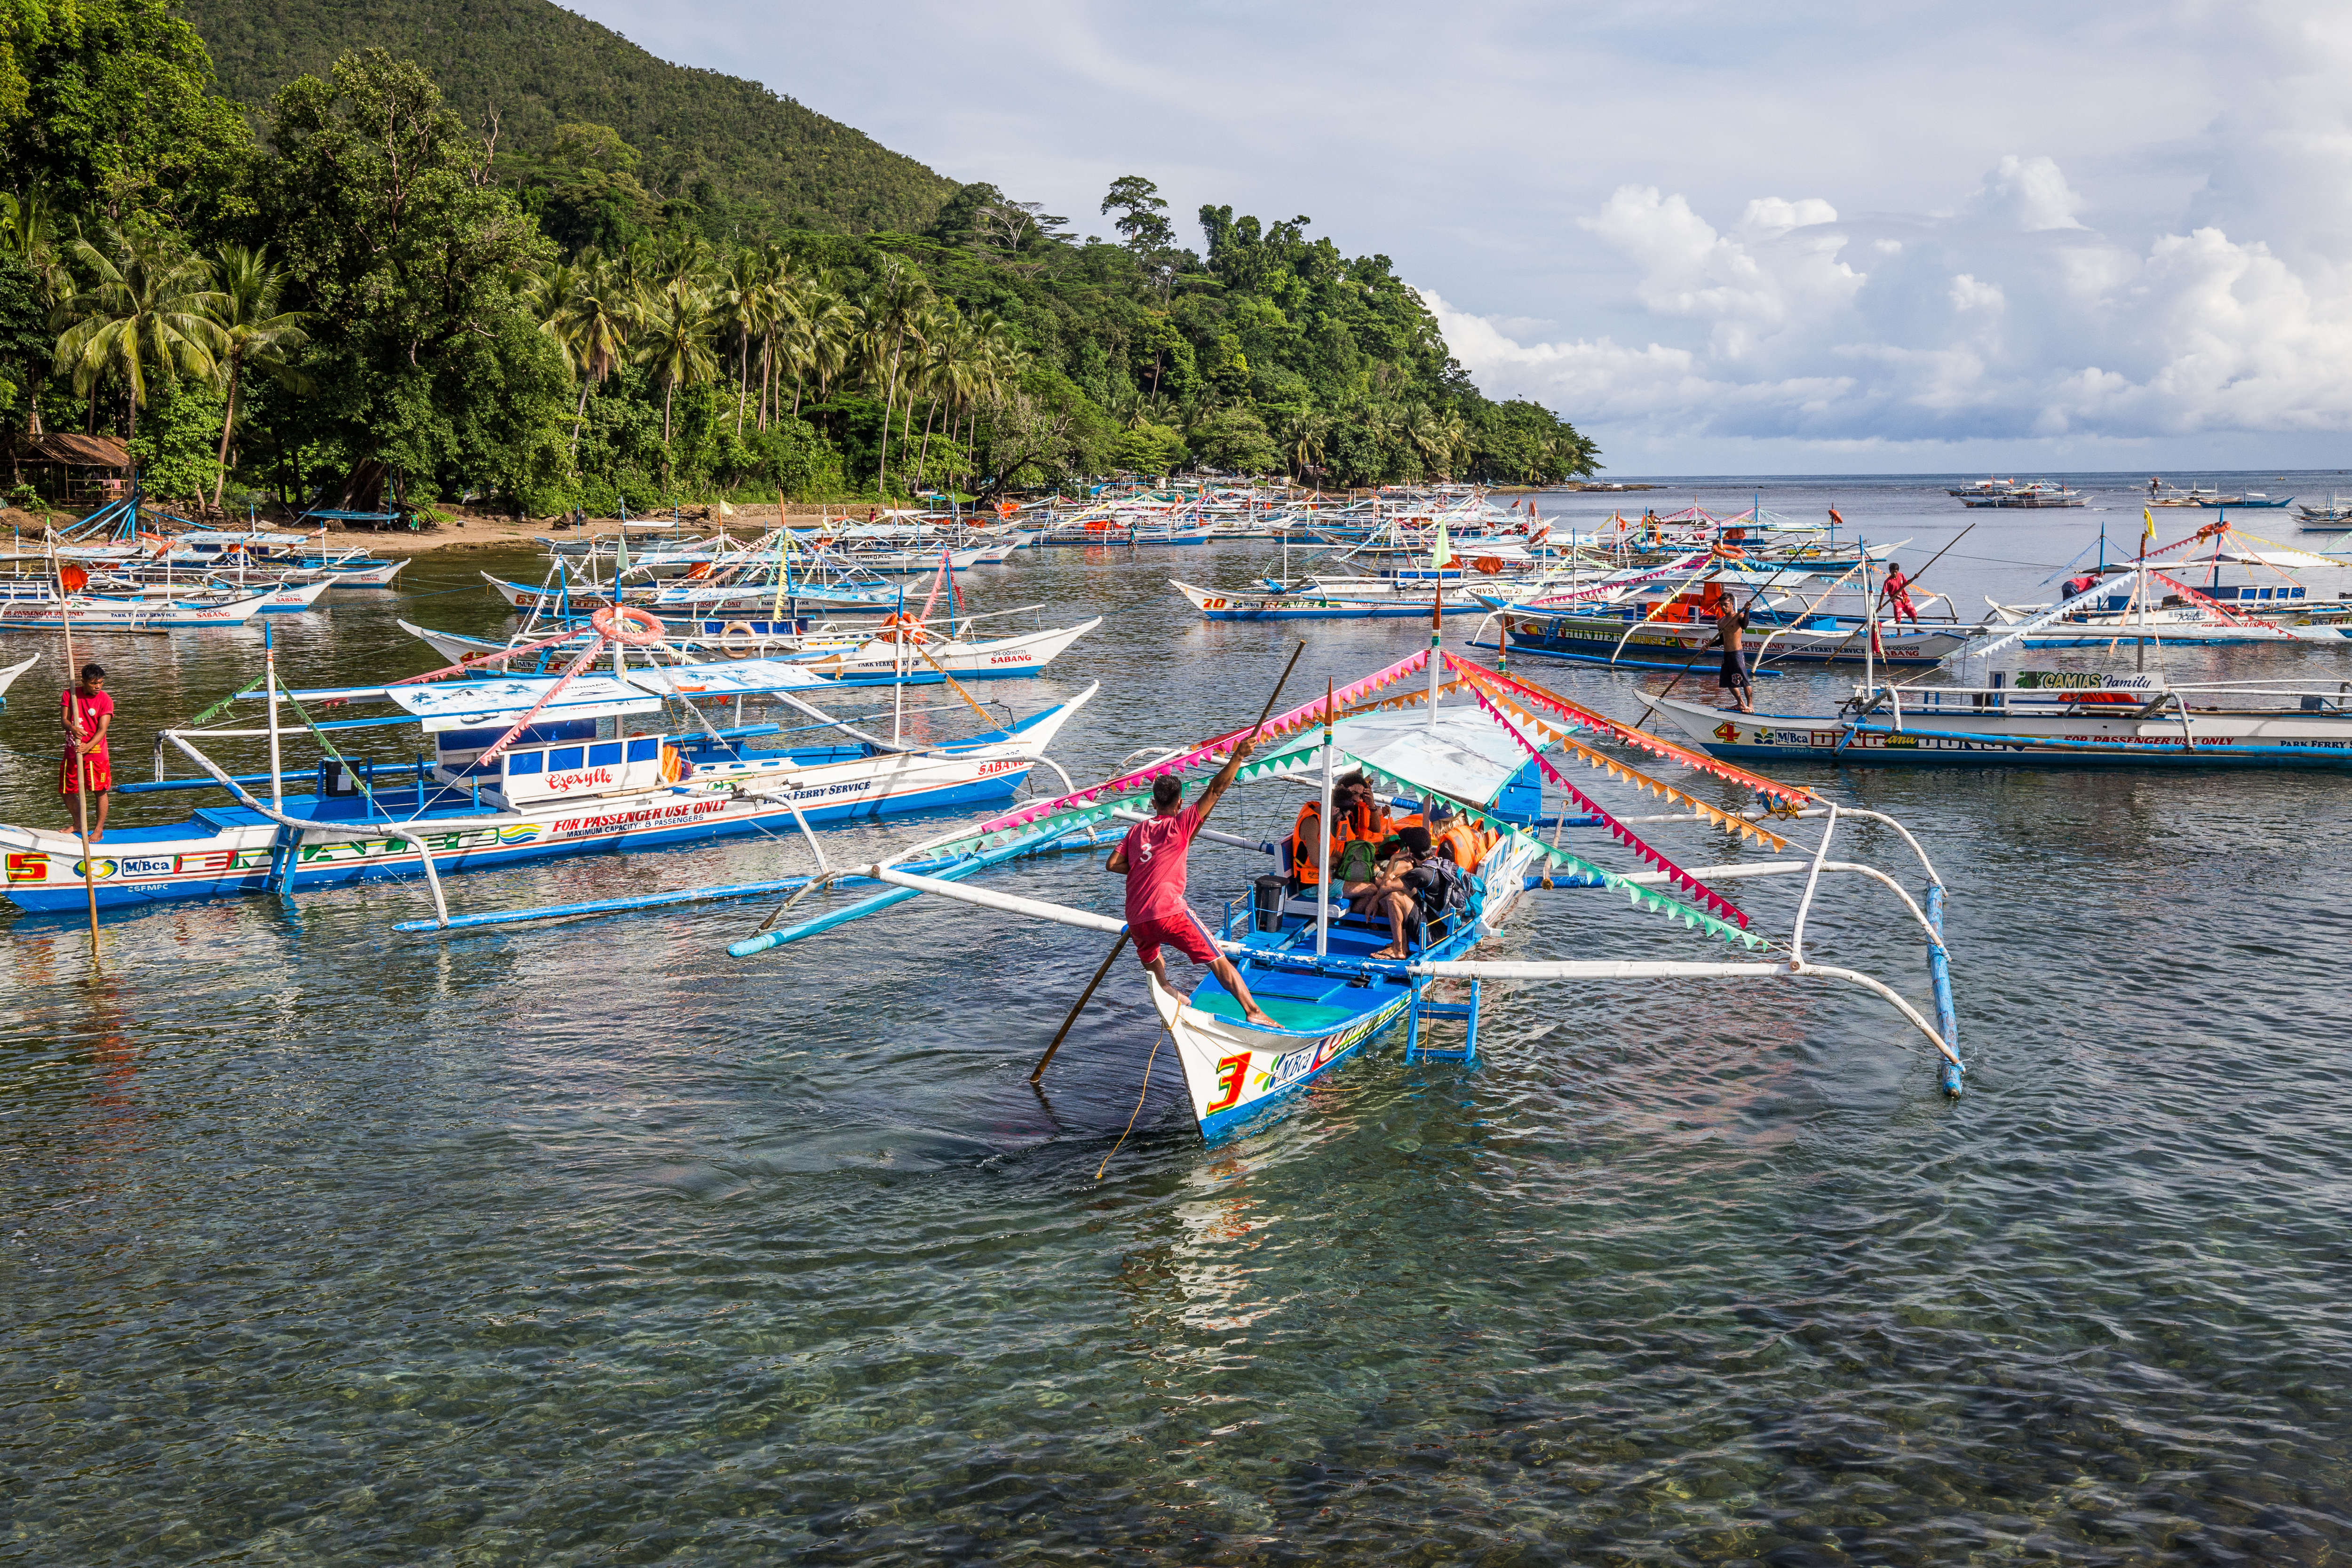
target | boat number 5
[{"x": 1230, "y": 1072}]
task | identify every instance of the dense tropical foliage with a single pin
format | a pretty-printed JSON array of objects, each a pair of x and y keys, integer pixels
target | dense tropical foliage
[{"x": 355, "y": 292}]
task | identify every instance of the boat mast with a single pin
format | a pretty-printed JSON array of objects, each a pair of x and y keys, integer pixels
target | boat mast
[
  {"x": 1436, "y": 620},
  {"x": 1323, "y": 837},
  {"x": 1869, "y": 627}
]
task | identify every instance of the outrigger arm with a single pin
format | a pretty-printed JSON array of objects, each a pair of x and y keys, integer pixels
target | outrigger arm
[
  {"x": 1471, "y": 969},
  {"x": 370, "y": 830}
]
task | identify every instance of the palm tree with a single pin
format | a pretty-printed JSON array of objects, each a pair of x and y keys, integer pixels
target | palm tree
[
  {"x": 29, "y": 232},
  {"x": 255, "y": 334},
  {"x": 586, "y": 309},
  {"x": 674, "y": 325},
  {"x": 931, "y": 332},
  {"x": 833, "y": 331},
  {"x": 944, "y": 373},
  {"x": 738, "y": 296},
  {"x": 994, "y": 361},
  {"x": 150, "y": 308},
  {"x": 894, "y": 308},
  {"x": 1302, "y": 436}
]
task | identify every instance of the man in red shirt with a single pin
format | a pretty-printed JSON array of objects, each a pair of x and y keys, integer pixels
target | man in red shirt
[
  {"x": 87, "y": 711},
  {"x": 1151, "y": 858},
  {"x": 1898, "y": 595}
]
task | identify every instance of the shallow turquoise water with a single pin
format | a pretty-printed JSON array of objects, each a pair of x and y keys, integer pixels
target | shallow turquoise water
[{"x": 588, "y": 1244}]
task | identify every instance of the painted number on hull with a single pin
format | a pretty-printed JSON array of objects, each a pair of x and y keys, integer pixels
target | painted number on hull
[{"x": 1231, "y": 1071}]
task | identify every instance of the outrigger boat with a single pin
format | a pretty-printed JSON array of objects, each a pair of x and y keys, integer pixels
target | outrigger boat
[
  {"x": 8, "y": 674},
  {"x": 1313, "y": 605},
  {"x": 690, "y": 599},
  {"x": 1630, "y": 638},
  {"x": 91, "y": 613},
  {"x": 856, "y": 657},
  {"x": 2046, "y": 718},
  {"x": 522, "y": 768},
  {"x": 1309, "y": 966}
]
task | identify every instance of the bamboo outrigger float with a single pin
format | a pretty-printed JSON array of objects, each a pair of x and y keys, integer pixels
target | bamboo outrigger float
[{"x": 1309, "y": 964}]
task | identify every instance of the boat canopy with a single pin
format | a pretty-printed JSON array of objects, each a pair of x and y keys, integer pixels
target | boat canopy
[
  {"x": 202, "y": 536},
  {"x": 469, "y": 704},
  {"x": 1466, "y": 754},
  {"x": 741, "y": 677}
]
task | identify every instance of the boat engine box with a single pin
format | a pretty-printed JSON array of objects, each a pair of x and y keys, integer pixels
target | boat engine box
[{"x": 1266, "y": 901}]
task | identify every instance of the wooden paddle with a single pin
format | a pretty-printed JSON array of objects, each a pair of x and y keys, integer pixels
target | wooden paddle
[{"x": 1120, "y": 945}]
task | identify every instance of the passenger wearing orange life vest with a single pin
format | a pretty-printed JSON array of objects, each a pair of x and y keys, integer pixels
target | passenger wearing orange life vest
[
  {"x": 1450, "y": 833},
  {"x": 1355, "y": 814}
]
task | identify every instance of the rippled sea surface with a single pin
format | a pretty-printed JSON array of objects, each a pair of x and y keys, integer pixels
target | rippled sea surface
[{"x": 589, "y": 1244}]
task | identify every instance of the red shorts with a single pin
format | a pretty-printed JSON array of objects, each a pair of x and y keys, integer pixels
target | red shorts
[
  {"x": 97, "y": 774},
  {"x": 1182, "y": 932}
]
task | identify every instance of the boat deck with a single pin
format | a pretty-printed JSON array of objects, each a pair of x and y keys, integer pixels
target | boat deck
[{"x": 1301, "y": 999}]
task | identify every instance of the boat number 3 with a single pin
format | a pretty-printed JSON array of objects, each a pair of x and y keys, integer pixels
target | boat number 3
[{"x": 1230, "y": 1072}]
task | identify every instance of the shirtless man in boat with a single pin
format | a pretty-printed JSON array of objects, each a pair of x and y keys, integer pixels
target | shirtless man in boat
[
  {"x": 1151, "y": 858},
  {"x": 1733, "y": 677}
]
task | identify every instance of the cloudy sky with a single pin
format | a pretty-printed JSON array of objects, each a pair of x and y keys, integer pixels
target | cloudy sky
[{"x": 1723, "y": 239}]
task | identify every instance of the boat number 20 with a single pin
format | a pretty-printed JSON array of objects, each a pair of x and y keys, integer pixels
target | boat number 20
[{"x": 1230, "y": 1073}]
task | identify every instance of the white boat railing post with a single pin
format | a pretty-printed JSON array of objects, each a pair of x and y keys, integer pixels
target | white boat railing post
[
  {"x": 270, "y": 680},
  {"x": 1812, "y": 880},
  {"x": 2139, "y": 600}
]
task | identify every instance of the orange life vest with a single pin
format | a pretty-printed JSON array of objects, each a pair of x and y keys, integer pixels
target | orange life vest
[
  {"x": 1462, "y": 834},
  {"x": 1303, "y": 853}
]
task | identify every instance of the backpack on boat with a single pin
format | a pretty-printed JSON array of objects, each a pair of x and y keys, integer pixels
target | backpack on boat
[
  {"x": 1440, "y": 889},
  {"x": 1358, "y": 862}
]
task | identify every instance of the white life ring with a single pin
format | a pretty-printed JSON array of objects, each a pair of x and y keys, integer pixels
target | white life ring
[{"x": 629, "y": 626}]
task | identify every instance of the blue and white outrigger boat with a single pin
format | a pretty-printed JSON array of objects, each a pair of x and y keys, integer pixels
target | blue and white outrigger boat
[
  {"x": 521, "y": 769},
  {"x": 1310, "y": 965}
]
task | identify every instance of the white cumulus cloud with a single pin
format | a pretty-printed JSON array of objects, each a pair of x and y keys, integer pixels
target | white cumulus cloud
[{"x": 2004, "y": 319}]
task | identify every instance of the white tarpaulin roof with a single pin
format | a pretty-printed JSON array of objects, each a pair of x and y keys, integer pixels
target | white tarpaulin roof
[
  {"x": 1469, "y": 755},
  {"x": 465, "y": 704},
  {"x": 740, "y": 678}
]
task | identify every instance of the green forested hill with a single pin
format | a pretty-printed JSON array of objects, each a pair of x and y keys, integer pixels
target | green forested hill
[
  {"x": 662, "y": 284},
  {"x": 717, "y": 141}
]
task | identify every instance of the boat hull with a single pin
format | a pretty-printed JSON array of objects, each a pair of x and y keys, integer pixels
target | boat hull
[
  {"x": 1602, "y": 639},
  {"x": 44, "y": 875},
  {"x": 1299, "y": 608},
  {"x": 1235, "y": 1071}
]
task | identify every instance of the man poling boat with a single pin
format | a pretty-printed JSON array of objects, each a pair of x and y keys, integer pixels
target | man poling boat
[{"x": 1478, "y": 746}]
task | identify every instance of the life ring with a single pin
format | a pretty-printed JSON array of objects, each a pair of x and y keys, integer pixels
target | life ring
[
  {"x": 904, "y": 628},
  {"x": 629, "y": 626},
  {"x": 731, "y": 646},
  {"x": 1487, "y": 565}
]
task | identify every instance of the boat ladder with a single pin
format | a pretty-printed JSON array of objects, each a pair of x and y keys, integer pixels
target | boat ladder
[{"x": 1425, "y": 1008}]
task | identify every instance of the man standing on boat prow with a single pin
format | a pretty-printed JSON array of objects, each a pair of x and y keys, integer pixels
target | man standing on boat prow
[
  {"x": 1151, "y": 858},
  {"x": 1729, "y": 623},
  {"x": 87, "y": 712}
]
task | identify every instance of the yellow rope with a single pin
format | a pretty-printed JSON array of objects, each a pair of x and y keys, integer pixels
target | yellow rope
[{"x": 1139, "y": 1103}]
